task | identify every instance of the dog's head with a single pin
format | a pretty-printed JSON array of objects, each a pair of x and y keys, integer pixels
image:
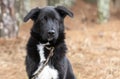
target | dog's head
[{"x": 48, "y": 21}]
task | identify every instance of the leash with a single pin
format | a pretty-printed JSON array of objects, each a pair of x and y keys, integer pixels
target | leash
[{"x": 44, "y": 64}]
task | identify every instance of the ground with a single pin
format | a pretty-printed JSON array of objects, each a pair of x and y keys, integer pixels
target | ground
[{"x": 93, "y": 49}]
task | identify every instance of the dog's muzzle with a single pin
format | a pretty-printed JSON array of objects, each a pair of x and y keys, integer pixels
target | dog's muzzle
[{"x": 51, "y": 35}]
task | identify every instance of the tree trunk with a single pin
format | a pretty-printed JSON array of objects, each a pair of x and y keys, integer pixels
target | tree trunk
[
  {"x": 8, "y": 25},
  {"x": 103, "y": 10},
  {"x": 67, "y": 3},
  {"x": 22, "y": 7}
]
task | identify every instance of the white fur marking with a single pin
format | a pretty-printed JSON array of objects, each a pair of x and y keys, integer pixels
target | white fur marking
[
  {"x": 48, "y": 72},
  {"x": 41, "y": 52}
]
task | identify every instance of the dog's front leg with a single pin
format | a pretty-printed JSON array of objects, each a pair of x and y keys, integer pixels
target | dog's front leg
[
  {"x": 30, "y": 66},
  {"x": 70, "y": 74}
]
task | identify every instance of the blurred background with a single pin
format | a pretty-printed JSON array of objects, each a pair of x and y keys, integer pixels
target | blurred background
[{"x": 92, "y": 37}]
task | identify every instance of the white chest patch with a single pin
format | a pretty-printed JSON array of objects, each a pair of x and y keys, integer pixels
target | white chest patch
[
  {"x": 48, "y": 72},
  {"x": 41, "y": 52}
]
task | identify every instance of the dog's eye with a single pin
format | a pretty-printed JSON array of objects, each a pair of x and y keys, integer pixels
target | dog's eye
[
  {"x": 45, "y": 18},
  {"x": 56, "y": 19}
]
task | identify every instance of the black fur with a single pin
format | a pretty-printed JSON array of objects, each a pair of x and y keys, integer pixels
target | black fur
[{"x": 45, "y": 19}]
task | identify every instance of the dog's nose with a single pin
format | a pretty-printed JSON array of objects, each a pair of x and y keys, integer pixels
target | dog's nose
[{"x": 51, "y": 32}]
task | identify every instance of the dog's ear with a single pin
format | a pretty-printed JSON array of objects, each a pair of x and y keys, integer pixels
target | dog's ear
[
  {"x": 63, "y": 11},
  {"x": 33, "y": 14}
]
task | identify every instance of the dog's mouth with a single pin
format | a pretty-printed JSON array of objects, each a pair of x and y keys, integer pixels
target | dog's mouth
[{"x": 50, "y": 38}]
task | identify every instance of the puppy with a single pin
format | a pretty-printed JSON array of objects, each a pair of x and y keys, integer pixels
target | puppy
[{"x": 47, "y": 32}]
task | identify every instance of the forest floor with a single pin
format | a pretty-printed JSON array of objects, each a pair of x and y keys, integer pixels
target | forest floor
[{"x": 93, "y": 49}]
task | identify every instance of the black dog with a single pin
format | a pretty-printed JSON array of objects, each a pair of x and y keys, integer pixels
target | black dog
[{"x": 47, "y": 32}]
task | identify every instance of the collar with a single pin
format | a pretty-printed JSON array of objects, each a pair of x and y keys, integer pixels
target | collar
[
  {"x": 48, "y": 48},
  {"x": 35, "y": 36}
]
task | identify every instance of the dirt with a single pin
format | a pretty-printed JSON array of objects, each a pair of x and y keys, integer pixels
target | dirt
[{"x": 93, "y": 49}]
